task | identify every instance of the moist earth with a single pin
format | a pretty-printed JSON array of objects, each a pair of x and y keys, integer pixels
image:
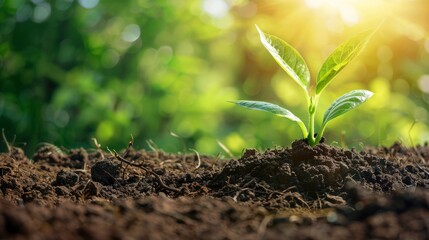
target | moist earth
[{"x": 300, "y": 192}]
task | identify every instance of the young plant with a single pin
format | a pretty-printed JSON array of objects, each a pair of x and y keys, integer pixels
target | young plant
[{"x": 294, "y": 65}]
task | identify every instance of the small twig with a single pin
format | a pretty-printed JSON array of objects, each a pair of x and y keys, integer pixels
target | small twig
[
  {"x": 244, "y": 188},
  {"x": 9, "y": 148},
  {"x": 181, "y": 139},
  {"x": 268, "y": 190},
  {"x": 424, "y": 170},
  {"x": 98, "y": 146},
  {"x": 130, "y": 144},
  {"x": 158, "y": 178},
  {"x": 221, "y": 145},
  {"x": 288, "y": 189},
  {"x": 83, "y": 191},
  {"x": 152, "y": 145},
  {"x": 297, "y": 196},
  {"x": 319, "y": 201},
  {"x": 291, "y": 194},
  {"x": 235, "y": 198},
  {"x": 111, "y": 153},
  {"x": 272, "y": 192},
  {"x": 126, "y": 152},
  {"x": 198, "y": 157},
  {"x": 249, "y": 182},
  {"x": 217, "y": 159},
  {"x": 412, "y": 143}
]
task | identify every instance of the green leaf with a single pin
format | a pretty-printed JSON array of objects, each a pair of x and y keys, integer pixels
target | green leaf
[
  {"x": 268, "y": 107},
  {"x": 345, "y": 103},
  {"x": 341, "y": 56},
  {"x": 275, "y": 109},
  {"x": 288, "y": 58}
]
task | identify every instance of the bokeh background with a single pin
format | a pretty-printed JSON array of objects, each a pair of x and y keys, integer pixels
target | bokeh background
[{"x": 163, "y": 70}]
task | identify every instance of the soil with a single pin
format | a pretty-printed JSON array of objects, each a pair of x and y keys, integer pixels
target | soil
[{"x": 300, "y": 192}]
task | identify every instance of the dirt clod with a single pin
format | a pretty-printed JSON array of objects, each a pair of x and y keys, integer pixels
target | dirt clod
[
  {"x": 66, "y": 178},
  {"x": 105, "y": 172}
]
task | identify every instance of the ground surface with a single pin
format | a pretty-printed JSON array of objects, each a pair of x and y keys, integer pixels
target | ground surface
[{"x": 299, "y": 192}]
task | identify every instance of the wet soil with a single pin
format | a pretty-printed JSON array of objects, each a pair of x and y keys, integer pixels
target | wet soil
[{"x": 300, "y": 192}]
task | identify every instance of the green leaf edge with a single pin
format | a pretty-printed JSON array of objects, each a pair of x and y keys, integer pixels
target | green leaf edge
[
  {"x": 304, "y": 82},
  {"x": 274, "y": 109},
  {"x": 326, "y": 74},
  {"x": 354, "y": 98}
]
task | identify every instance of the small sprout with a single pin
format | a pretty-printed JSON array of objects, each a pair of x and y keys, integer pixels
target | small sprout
[{"x": 294, "y": 65}]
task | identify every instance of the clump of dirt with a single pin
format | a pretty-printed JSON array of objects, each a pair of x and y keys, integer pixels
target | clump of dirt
[
  {"x": 51, "y": 154},
  {"x": 301, "y": 192},
  {"x": 105, "y": 172},
  {"x": 316, "y": 176}
]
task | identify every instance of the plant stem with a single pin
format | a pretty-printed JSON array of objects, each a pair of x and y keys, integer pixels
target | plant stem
[
  {"x": 303, "y": 129},
  {"x": 320, "y": 133},
  {"x": 311, "y": 139},
  {"x": 312, "y": 114}
]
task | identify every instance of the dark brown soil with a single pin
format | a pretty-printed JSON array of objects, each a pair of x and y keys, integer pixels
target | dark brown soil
[{"x": 300, "y": 192}]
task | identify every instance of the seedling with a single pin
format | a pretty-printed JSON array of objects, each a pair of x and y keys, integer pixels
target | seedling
[{"x": 294, "y": 65}]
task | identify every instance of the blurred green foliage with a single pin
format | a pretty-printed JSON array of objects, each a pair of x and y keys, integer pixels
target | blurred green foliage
[{"x": 164, "y": 71}]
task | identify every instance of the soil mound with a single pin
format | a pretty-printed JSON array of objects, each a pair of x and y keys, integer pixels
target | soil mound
[{"x": 317, "y": 175}]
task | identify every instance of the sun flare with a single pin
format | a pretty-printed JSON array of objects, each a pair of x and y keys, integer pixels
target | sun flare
[{"x": 351, "y": 12}]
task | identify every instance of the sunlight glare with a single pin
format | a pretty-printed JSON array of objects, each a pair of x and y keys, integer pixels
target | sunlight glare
[
  {"x": 344, "y": 8},
  {"x": 216, "y": 8},
  {"x": 349, "y": 15},
  {"x": 424, "y": 83}
]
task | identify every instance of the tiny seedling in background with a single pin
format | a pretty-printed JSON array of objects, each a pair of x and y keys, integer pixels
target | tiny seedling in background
[{"x": 294, "y": 65}]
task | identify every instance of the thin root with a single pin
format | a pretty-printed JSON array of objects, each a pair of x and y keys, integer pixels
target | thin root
[
  {"x": 221, "y": 145},
  {"x": 9, "y": 148},
  {"x": 98, "y": 147},
  {"x": 158, "y": 178},
  {"x": 198, "y": 157}
]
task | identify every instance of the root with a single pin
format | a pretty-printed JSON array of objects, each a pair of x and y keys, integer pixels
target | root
[
  {"x": 98, "y": 146},
  {"x": 225, "y": 149},
  {"x": 158, "y": 178},
  {"x": 9, "y": 148},
  {"x": 412, "y": 143},
  {"x": 198, "y": 157},
  {"x": 156, "y": 175}
]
